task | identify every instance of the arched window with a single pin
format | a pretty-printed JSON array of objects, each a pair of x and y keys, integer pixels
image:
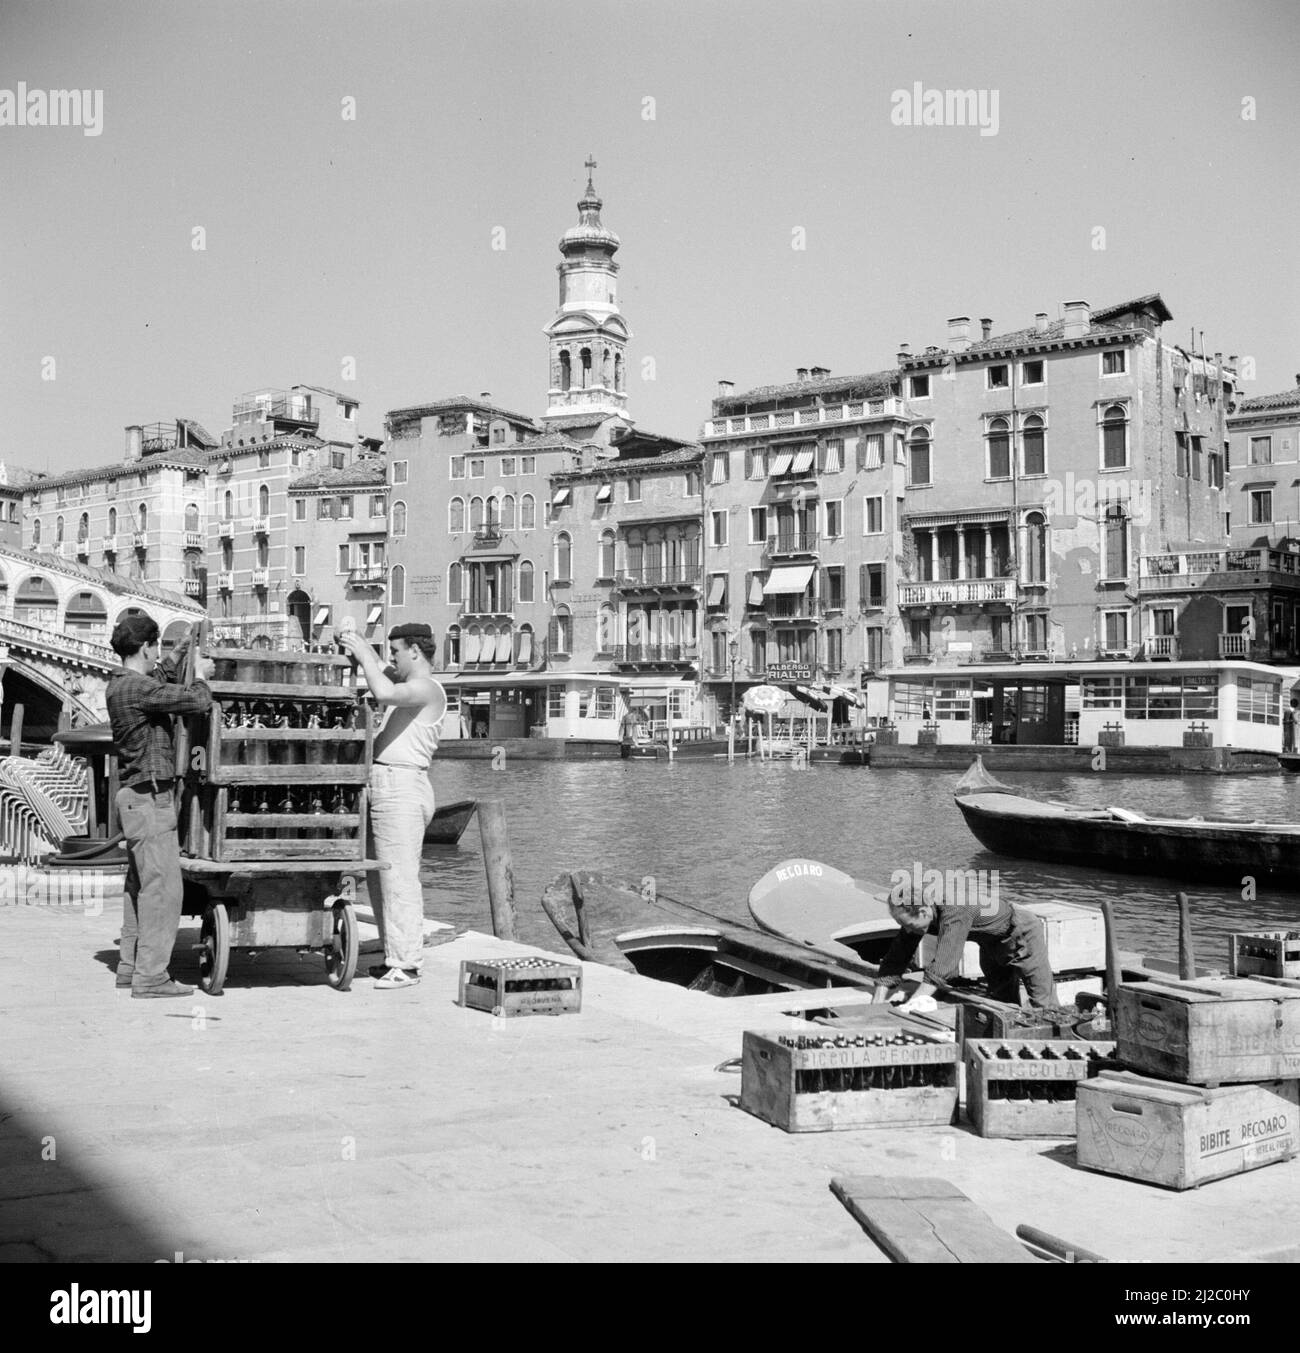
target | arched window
[
  {"x": 36, "y": 531},
  {"x": 562, "y": 631},
  {"x": 618, "y": 371},
  {"x": 918, "y": 457},
  {"x": 508, "y": 512},
  {"x": 692, "y": 544},
  {"x": 452, "y": 649},
  {"x": 397, "y": 586},
  {"x": 606, "y": 367},
  {"x": 607, "y": 543},
  {"x": 58, "y": 531},
  {"x": 191, "y": 516},
  {"x": 112, "y": 521},
  {"x": 83, "y": 527},
  {"x": 399, "y": 518},
  {"x": 476, "y": 514},
  {"x": 86, "y": 614},
  {"x": 563, "y": 558},
  {"x": 524, "y": 645},
  {"x": 1032, "y": 440},
  {"x": 525, "y": 581},
  {"x": 228, "y": 507},
  {"x": 566, "y": 370},
  {"x": 1114, "y": 438},
  {"x": 654, "y": 556},
  {"x": 456, "y": 515},
  {"x": 263, "y": 552},
  {"x": 492, "y": 511},
  {"x": 454, "y": 594},
  {"x": 263, "y": 501},
  {"x": 585, "y": 358},
  {"x": 1035, "y": 548},
  {"x": 143, "y": 517},
  {"x": 527, "y": 513},
  {"x": 998, "y": 439}
]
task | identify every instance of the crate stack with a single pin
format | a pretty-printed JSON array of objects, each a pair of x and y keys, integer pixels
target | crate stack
[
  {"x": 1210, "y": 1084},
  {"x": 1026, "y": 1087},
  {"x": 277, "y": 769}
]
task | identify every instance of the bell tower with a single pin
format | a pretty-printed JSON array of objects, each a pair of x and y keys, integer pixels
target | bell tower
[{"x": 588, "y": 336}]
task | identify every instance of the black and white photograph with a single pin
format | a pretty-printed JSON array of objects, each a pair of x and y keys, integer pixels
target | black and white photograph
[{"x": 650, "y": 633}]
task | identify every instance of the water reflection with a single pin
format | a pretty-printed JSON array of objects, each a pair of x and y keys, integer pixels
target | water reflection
[{"x": 708, "y": 831}]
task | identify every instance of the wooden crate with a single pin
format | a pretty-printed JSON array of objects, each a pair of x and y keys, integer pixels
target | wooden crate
[
  {"x": 993, "y": 1019},
  {"x": 1076, "y": 936},
  {"x": 1182, "y": 1136},
  {"x": 1265, "y": 953},
  {"x": 214, "y": 830},
  {"x": 1209, "y": 1031},
  {"x": 822, "y": 1083},
  {"x": 521, "y": 986},
  {"x": 1026, "y": 1087}
]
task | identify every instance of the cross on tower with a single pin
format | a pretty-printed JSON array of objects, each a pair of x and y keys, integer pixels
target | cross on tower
[{"x": 591, "y": 165}]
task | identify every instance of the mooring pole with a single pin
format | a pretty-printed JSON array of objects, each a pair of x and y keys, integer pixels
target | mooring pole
[
  {"x": 1112, "y": 961},
  {"x": 498, "y": 867},
  {"x": 1186, "y": 958},
  {"x": 16, "y": 732}
]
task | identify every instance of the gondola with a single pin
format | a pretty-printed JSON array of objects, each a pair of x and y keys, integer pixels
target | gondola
[{"x": 1226, "y": 850}]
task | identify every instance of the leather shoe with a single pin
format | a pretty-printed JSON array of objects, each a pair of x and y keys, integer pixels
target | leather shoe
[
  {"x": 125, "y": 976},
  {"x": 168, "y": 988}
]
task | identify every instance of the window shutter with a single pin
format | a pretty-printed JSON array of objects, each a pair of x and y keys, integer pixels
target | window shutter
[{"x": 864, "y": 586}]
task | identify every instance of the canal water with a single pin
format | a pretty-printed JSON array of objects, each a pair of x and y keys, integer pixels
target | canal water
[{"x": 708, "y": 831}]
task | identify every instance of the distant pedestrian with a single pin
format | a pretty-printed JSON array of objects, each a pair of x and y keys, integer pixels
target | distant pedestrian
[
  {"x": 401, "y": 795},
  {"x": 1288, "y": 726},
  {"x": 143, "y": 696}
]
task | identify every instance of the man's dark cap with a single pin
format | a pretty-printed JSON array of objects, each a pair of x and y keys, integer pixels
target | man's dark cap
[
  {"x": 133, "y": 631},
  {"x": 413, "y": 630}
]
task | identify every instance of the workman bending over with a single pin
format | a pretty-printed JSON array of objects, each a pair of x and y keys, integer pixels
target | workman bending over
[{"x": 1011, "y": 944}]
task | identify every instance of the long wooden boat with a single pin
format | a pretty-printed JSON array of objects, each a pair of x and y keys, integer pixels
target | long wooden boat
[
  {"x": 448, "y": 823},
  {"x": 1008, "y": 822}
]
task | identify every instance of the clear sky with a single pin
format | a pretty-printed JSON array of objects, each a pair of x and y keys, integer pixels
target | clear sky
[{"x": 372, "y": 238}]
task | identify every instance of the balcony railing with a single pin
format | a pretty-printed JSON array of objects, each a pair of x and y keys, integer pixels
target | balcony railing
[
  {"x": 957, "y": 592},
  {"x": 367, "y": 577},
  {"x": 16, "y": 631},
  {"x": 780, "y": 607},
  {"x": 226, "y": 582},
  {"x": 488, "y": 535},
  {"x": 140, "y": 539},
  {"x": 1234, "y": 645},
  {"x": 784, "y": 418},
  {"x": 226, "y": 530},
  {"x": 108, "y": 544},
  {"x": 917, "y": 653},
  {"x": 628, "y": 653},
  {"x": 1162, "y": 646},
  {"x": 193, "y": 540},
  {"x": 261, "y": 577},
  {"x": 83, "y": 547},
  {"x": 793, "y": 542},
  {"x": 261, "y": 526},
  {"x": 278, "y": 404},
  {"x": 675, "y": 575},
  {"x": 193, "y": 586},
  {"x": 1194, "y": 568}
]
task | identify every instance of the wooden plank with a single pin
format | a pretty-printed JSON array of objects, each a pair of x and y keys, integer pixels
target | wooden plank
[
  {"x": 279, "y": 655},
  {"x": 268, "y": 868},
  {"x": 926, "y": 1221},
  {"x": 355, "y": 774},
  {"x": 267, "y": 690},
  {"x": 293, "y": 735},
  {"x": 288, "y": 849}
]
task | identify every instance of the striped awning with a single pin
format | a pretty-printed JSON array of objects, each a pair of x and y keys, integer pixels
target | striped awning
[
  {"x": 525, "y": 646},
  {"x": 505, "y": 645},
  {"x": 795, "y": 578},
  {"x": 781, "y": 463},
  {"x": 755, "y": 590},
  {"x": 469, "y": 647},
  {"x": 802, "y": 461},
  {"x": 717, "y": 589}
]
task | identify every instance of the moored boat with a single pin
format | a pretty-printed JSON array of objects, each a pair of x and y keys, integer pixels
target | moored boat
[
  {"x": 1008, "y": 822},
  {"x": 448, "y": 823}
]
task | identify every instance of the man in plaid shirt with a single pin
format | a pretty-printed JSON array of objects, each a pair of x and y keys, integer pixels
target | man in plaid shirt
[{"x": 142, "y": 698}]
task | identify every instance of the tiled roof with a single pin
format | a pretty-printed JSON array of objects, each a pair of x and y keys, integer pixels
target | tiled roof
[
  {"x": 1151, "y": 298},
  {"x": 578, "y": 420},
  {"x": 356, "y": 476},
  {"x": 614, "y": 469},
  {"x": 295, "y": 441},
  {"x": 102, "y": 577},
  {"x": 187, "y": 458},
  {"x": 1258, "y": 403},
  {"x": 545, "y": 441},
  {"x": 872, "y": 385},
  {"x": 456, "y": 402},
  {"x": 198, "y": 432}
]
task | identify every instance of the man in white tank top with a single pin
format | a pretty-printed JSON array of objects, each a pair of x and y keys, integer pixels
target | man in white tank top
[{"x": 401, "y": 796}]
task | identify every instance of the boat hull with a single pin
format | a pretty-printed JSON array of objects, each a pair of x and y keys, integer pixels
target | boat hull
[
  {"x": 1195, "y": 849},
  {"x": 448, "y": 823}
]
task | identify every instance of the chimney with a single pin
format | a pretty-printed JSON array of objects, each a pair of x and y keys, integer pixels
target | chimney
[
  {"x": 485, "y": 394},
  {"x": 1232, "y": 361},
  {"x": 1076, "y": 319},
  {"x": 801, "y": 374},
  {"x": 986, "y": 327},
  {"x": 134, "y": 441},
  {"x": 904, "y": 352},
  {"x": 725, "y": 388},
  {"x": 818, "y": 372},
  {"x": 959, "y": 333},
  {"x": 1040, "y": 322}
]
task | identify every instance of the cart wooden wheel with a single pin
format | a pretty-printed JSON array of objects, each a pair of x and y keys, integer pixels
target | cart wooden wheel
[
  {"x": 214, "y": 949},
  {"x": 344, "y": 946}
]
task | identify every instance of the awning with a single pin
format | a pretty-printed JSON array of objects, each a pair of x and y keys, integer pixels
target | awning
[
  {"x": 802, "y": 461},
  {"x": 604, "y": 493},
  {"x": 717, "y": 589},
  {"x": 561, "y": 497},
  {"x": 469, "y": 646},
  {"x": 794, "y": 578},
  {"x": 781, "y": 463},
  {"x": 525, "y": 646},
  {"x": 755, "y": 590},
  {"x": 322, "y": 616},
  {"x": 810, "y": 698},
  {"x": 504, "y": 646},
  {"x": 373, "y": 614}
]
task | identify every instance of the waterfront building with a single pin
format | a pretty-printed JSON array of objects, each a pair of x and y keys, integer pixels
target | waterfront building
[
  {"x": 13, "y": 481},
  {"x": 337, "y": 540},
  {"x": 802, "y": 502}
]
